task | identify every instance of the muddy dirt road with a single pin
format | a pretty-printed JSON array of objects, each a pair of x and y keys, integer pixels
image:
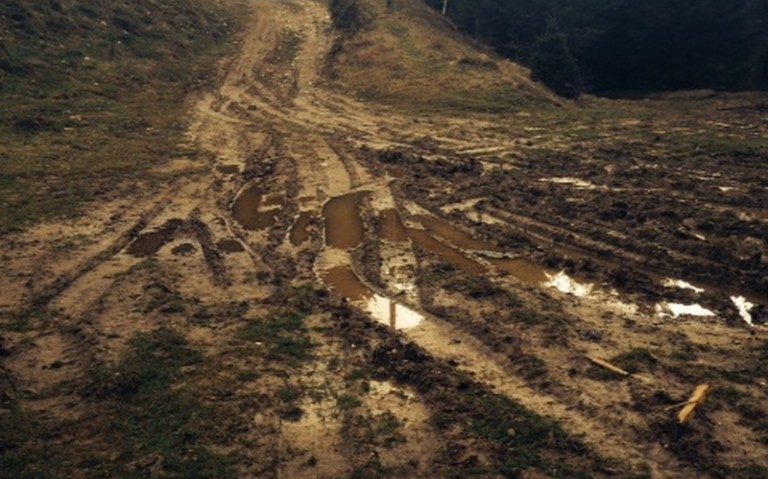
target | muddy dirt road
[{"x": 451, "y": 260}]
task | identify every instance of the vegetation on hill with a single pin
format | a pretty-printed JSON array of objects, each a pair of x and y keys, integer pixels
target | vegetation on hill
[
  {"x": 632, "y": 45},
  {"x": 91, "y": 92},
  {"x": 401, "y": 52}
]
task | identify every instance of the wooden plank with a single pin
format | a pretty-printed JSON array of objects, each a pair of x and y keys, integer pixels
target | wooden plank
[{"x": 696, "y": 400}]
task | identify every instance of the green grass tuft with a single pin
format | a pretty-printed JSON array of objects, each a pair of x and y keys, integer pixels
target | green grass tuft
[{"x": 284, "y": 336}]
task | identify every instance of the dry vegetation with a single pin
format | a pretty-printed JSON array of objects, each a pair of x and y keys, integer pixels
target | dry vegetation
[
  {"x": 92, "y": 93},
  {"x": 409, "y": 56}
]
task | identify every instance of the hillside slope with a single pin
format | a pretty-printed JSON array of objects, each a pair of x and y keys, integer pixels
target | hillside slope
[
  {"x": 410, "y": 55},
  {"x": 92, "y": 91}
]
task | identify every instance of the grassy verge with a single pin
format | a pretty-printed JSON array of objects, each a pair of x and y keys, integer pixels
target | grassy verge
[{"x": 92, "y": 94}]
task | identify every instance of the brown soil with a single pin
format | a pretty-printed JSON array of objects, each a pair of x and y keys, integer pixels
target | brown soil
[{"x": 365, "y": 295}]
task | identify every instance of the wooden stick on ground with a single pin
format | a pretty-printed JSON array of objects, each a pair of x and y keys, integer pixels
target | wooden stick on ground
[
  {"x": 609, "y": 366},
  {"x": 697, "y": 398}
]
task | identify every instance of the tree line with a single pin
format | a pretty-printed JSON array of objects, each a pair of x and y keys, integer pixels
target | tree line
[{"x": 626, "y": 45}]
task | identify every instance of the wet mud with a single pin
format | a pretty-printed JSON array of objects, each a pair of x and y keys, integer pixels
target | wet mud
[
  {"x": 230, "y": 246},
  {"x": 150, "y": 243},
  {"x": 425, "y": 241},
  {"x": 228, "y": 169},
  {"x": 343, "y": 224},
  {"x": 392, "y": 227},
  {"x": 183, "y": 249},
  {"x": 253, "y": 212},
  {"x": 300, "y": 230}
]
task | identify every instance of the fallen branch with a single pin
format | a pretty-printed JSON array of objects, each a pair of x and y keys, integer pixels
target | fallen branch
[
  {"x": 697, "y": 399},
  {"x": 609, "y": 366}
]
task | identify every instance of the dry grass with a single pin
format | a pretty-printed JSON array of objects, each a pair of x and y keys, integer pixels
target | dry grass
[
  {"x": 92, "y": 94},
  {"x": 413, "y": 57}
]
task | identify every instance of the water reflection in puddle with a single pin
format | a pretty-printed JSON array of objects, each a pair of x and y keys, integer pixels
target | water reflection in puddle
[
  {"x": 744, "y": 307},
  {"x": 675, "y": 310},
  {"x": 565, "y": 284},
  {"x": 344, "y": 282},
  {"x": 679, "y": 283},
  {"x": 567, "y": 180},
  {"x": 536, "y": 275}
]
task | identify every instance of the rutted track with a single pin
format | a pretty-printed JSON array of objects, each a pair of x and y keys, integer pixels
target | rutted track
[{"x": 304, "y": 144}]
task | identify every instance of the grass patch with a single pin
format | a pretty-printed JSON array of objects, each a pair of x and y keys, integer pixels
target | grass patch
[
  {"x": 92, "y": 95},
  {"x": 153, "y": 362},
  {"x": 521, "y": 434},
  {"x": 151, "y": 416},
  {"x": 284, "y": 336},
  {"x": 23, "y": 453},
  {"x": 385, "y": 430}
]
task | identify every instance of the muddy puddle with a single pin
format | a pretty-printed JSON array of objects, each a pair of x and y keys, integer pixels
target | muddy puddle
[
  {"x": 150, "y": 243},
  {"x": 676, "y": 310},
  {"x": 528, "y": 272},
  {"x": 396, "y": 172},
  {"x": 183, "y": 249},
  {"x": 228, "y": 169},
  {"x": 425, "y": 241},
  {"x": 253, "y": 211},
  {"x": 299, "y": 231},
  {"x": 230, "y": 246},
  {"x": 452, "y": 234},
  {"x": 344, "y": 282},
  {"x": 343, "y": 224},
  {"x": 392, "y": 227},
  {"x": 523, "y": 270}
]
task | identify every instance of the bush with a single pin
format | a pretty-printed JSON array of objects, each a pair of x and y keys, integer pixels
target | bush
[
  {"x": 554, "y": 65},
  {"x": 348, "y": 15}
]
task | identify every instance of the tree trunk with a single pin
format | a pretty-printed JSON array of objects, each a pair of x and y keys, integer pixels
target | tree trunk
[{"x": 445, "y": 7}]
